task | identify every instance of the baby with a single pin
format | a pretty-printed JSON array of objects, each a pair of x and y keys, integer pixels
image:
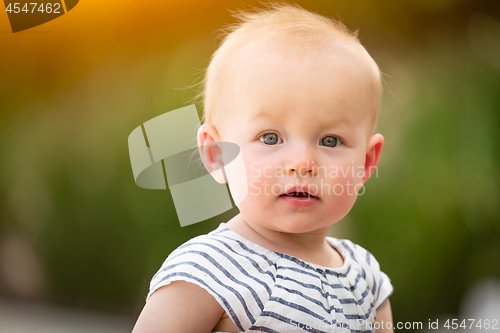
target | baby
[{"x": 299, "y": 95}]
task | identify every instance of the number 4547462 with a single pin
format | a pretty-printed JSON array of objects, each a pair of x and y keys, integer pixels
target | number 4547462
[
  {"x": 471, "y": 323},
  {"x": 34, "y": 7}
]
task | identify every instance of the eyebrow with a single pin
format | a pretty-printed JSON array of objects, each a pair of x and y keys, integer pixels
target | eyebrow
[{"x": 262, "y": 114}]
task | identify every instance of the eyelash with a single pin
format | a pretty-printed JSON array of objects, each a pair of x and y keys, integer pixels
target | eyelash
[{"x": 340, "y": 141}]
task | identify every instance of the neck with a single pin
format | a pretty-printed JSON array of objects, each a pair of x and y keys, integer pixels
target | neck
[{"x": 297, "y": 244}]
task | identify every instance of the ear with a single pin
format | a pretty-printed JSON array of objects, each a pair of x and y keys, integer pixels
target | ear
[
  {"x": 210, "y": 152},
  {"x": 373, "y": 150}
]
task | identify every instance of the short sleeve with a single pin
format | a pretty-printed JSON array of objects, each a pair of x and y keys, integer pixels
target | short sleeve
[
  {"x": 378, "y": 282},
  {"x": 209, "y": 263},
  {"x": 382, "y": 288},
  {"x": 385, "y": 290}
]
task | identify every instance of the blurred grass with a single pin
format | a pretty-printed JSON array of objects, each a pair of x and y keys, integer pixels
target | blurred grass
[
  {"x": 432, "y": 216},
  {"x": 68, "y": 103}
]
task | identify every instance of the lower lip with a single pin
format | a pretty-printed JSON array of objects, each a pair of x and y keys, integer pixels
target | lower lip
[{"x": 299, "y": 202}]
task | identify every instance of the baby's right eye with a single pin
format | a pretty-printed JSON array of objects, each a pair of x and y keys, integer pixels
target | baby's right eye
[{"x": 270, "y": 138}]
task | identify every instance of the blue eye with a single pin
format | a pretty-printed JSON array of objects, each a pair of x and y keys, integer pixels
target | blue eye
[
  {"x": 270, "y": 139},
  {"x": 330, "y": 141}
]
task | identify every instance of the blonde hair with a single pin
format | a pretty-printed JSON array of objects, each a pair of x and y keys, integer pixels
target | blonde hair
[{"x": 276, "y": 19}]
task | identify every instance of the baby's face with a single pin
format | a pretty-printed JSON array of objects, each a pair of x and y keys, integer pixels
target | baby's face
[{"x": 302, "y": 121}]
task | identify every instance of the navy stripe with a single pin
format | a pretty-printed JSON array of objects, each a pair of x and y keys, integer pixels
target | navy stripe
[
  {"x": 364, "y": 273},
  {"x": 305, "y": 285},
  {"x": 337, "y": 310},
  {"x": 301, "y": 263},
  {"x": 365, "y": 293},
  {"x": 318, "y": 270},
  {"x": 299, "y": 271},
  {"x": 356, "y": 280},
  {"x": 263, "y": 329},
  {"x": 352, "y": 316},
  {"x": 289, "y": 321},
  {"x": 310, "y": 299},
  {"x": 359, "y": 316},
  {"x": 340, "y": 286},
  {"x": 374, "y": 288},
  {"x": 379, "y": 286},
  {"x": 362, "y": 300},
  {"x": 347, "y": 301},
  {"x": 322, "y": 291},
  {"x": 348, "y": 248},
  {"x": 296, "y": 307}
]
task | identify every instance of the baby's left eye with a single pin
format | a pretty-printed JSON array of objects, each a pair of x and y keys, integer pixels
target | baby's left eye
[{"x": 330, "y": 141}]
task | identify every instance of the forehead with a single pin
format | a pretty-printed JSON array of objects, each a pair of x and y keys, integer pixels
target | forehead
[{"x": 326, "y": 82}]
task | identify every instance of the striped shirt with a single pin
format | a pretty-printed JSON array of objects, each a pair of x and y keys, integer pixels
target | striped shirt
[{"x": 266, "y": 291}]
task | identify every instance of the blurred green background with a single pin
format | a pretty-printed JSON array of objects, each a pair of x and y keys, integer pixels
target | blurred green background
[{"x": 76, "y": 230}]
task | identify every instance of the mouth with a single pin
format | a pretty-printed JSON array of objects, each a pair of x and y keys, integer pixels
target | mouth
[
  {"x": 299, "y": 198},
  {"x": 299, "y": 193}
]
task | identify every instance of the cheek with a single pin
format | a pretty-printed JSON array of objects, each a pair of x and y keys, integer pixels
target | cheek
[
  {"x": 254, "y": 173},
  {"x": 344, "y": 178},
  {"x": 261, "y": 181},
  {"x": 260, "y": 172},
  {"x": 259, "y": 192},
  {"x": 244, "y": 177}
]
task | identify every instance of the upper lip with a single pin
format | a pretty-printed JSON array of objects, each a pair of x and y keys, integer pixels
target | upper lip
[{"x": 303, "y": 188}]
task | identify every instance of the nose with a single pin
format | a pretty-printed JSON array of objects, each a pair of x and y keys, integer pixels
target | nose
[{"x": 302, "y": 163}]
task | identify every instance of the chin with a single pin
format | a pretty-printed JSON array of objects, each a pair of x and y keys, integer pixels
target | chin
[{"x": 298, "y": 227}]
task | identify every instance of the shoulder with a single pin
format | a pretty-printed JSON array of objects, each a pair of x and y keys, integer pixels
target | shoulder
[
  {"x": 356, "y": 252},
  {"x": 367, "y": 267},
  {"x": 238, "y": 276},
  {"x": 199, "y": 310}
]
